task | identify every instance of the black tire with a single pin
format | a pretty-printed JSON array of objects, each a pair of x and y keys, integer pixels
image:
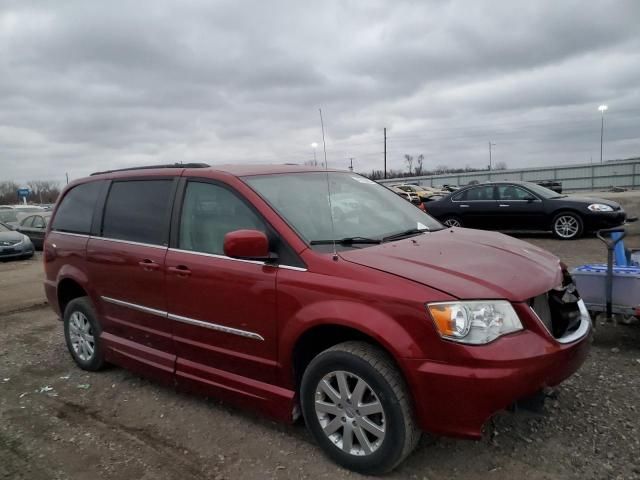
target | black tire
[
  {"x": 565, "y": 232},
  {"x": 363, "y": 361},
  {"x": 456, "y": 222},
  {"x": 84, "y": 308}
]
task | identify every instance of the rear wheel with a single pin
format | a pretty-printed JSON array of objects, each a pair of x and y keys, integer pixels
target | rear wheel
[
  {"x": 452, "y": 221},
  {"x": 357, "y": 406},
  {"x": 567, "y": 226},
  {"x": 82, "y": 334}
]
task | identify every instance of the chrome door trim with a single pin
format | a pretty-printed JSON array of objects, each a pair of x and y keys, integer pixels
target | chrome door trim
[
  {"x": 134, "y": 306},
  {"x": 179, "y": 318},
  {"x": 130, "y": 242},
  {"x": 82, "y": 235},
  {"x": 215, "y": 326},
  {"x": 224, "y": 257}
]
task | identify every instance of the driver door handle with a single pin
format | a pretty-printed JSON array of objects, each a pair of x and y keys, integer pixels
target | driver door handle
[
  {"x": 503, "y": 205},
  {"x": 464, "y": 206},
  {"x": 180, "y": 270},
  {"x": 149, "y": 265}
]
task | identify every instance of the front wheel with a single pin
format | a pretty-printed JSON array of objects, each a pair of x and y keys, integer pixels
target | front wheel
[
  {"x": 567, "y": 226},
  {"x": 357, "y": 407}
]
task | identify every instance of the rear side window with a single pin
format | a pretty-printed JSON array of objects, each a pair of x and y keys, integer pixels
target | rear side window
[
  {"x": 75, "y": 213},
  {"x": 475, "y": 194},
  {"x": 138, "y": 211}
]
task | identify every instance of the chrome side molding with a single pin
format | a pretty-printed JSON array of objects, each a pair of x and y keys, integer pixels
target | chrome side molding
[{"x": 190, "y": 321}]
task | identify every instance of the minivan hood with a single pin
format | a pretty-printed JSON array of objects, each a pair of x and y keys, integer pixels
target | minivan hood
[{"x": 467, "y": 264}]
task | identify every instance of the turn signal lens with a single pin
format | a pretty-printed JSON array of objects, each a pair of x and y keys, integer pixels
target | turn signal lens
[{"x": 474, "y": 322}]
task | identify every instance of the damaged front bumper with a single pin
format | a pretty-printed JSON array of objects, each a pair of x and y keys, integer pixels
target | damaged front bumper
[{"x": 457, "y": 397}]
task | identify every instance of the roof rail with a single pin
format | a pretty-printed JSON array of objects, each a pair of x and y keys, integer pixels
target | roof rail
[{"x": 148, "y": 167}]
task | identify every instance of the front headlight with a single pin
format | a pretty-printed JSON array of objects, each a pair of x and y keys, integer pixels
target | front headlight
[
  {"x": 600, "y": 207},
  {"x": 474, "y": 322}
]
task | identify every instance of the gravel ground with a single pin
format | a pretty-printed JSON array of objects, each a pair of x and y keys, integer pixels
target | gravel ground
[{"x": 58, "y": 422}]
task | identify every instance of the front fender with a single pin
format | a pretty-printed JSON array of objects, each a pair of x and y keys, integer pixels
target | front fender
[{"x": 366, "y": 319}]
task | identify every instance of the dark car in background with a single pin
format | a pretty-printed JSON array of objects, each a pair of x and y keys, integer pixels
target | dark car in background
[
  {"x": 554, "y": 185},
  {"x": 35, "y": 227},
  {"x": 525, "y": 206}
]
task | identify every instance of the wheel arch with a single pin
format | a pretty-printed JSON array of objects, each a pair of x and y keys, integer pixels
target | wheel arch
[{"x": 314, "y": 336}]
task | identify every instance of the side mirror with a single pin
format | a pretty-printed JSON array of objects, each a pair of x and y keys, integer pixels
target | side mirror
[{"x": 246, "y": 244}]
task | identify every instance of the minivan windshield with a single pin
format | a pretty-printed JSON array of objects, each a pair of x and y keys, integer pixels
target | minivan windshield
[{"x": 363, "y": 210}]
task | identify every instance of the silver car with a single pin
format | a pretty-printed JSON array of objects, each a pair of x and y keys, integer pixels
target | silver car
[{"x": 14, "y": 244}]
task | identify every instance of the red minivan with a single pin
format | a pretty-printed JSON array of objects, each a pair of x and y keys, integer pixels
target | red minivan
[{"x": 297, "y": 291}]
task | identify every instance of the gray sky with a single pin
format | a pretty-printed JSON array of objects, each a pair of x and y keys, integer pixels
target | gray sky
[{"x": 90, "y": 85}]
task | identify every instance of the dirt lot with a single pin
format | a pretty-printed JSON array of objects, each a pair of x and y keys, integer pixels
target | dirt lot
[{"x": 57, "y": 422}]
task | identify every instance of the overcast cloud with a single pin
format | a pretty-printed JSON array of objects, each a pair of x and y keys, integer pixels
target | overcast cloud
[{"x": 88, "y": 85}]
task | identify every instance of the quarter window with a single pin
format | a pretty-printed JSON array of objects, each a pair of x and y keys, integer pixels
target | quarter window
[
  {"x": 138, "y": 211},
  {"x": 209, "y": 212},
  {"x": 75, "y": 213}
]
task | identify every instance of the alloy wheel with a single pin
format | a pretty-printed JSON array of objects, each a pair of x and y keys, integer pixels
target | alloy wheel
[
  {"x": 566, "y": 226},
  {"x": 350, "y": 413},
  {"x": 81, "y": 336},
  {"x": 452, "y": 222}
]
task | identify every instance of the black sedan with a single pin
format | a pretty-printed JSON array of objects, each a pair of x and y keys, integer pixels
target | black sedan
[
  {"x": 525, "y": 206},
  {"x": 35, "y": 227}
]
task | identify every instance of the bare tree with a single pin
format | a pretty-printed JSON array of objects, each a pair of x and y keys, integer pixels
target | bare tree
[
  {"x": 43, "y": 191},
  {"x": 8, "y": 192},
  {"x": 419, "y": 164},
  {"x": 500, "y": 166},
  {"x": 409, "y": 159}
]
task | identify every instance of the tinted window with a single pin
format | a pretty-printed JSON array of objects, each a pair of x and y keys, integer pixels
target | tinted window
[
  {"x": 138, "y": 211},
  {"x": 27, "y": 222},
  {"x": 511, "y": 192},
  {"x": 476, "y": 194},
  {"x": 209, "y": 212},
  {"x": 75, "y": 213}
]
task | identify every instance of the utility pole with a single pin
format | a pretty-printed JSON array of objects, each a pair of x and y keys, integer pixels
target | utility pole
[
  {"x": 351, "y": 164},
  {"x": 385, "y": 152},
  {"x": 490, "y": 145},
  {"x": 67, "y": 178},
  {"x": 602, "y": 108}
]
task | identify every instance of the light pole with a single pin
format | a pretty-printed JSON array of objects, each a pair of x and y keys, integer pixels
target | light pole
[
  {"x": 602, "y": 109},
  {"x": 490, "y": 145},
  {"x": 314, "y": 145}
]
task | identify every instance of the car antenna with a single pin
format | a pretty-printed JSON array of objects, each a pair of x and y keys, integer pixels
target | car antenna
[{"x": 326, "y": 170}]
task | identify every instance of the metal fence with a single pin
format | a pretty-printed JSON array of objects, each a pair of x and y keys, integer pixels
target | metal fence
[{"x": 588, "y": 176}]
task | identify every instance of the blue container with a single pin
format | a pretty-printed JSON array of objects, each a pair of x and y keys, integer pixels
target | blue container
[{"x": 591, "y": 282}]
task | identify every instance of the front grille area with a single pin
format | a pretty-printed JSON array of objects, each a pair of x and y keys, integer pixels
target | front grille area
[{"x": 558, "y": 310}]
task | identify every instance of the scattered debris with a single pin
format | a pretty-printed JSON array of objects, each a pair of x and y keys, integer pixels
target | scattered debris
[
  {"x": 84, "y": 386},
  {"x": 5, "y": 380},
  {"x": 65, "y": 377},
  {"x": 45, "y": 389}
]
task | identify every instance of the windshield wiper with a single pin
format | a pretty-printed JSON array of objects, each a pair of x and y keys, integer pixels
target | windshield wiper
[
  {"x": 346, "y": 241},
  {"x": 406, "y": 233}
]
